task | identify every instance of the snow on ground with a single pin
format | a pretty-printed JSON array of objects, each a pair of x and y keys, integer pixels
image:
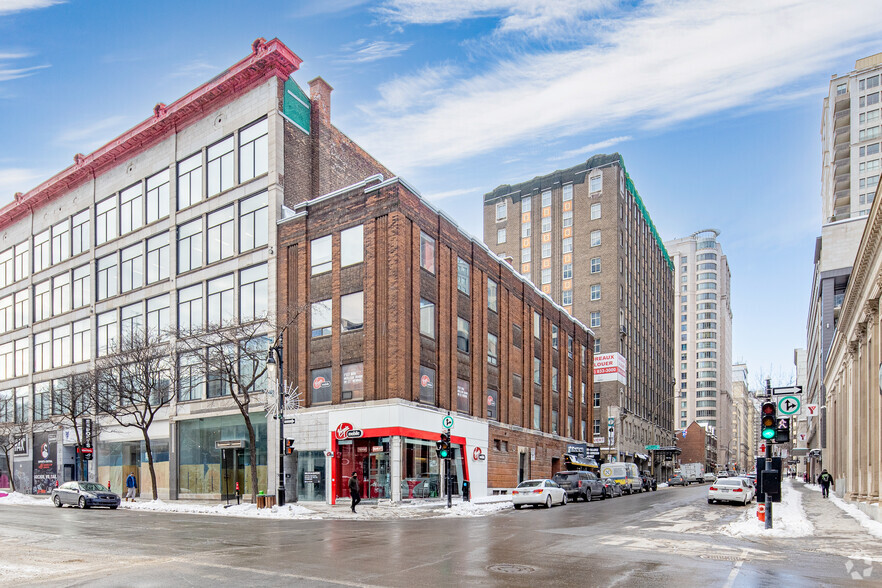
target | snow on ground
[
  {"x": 19, "y": 498},
  {"x": 788, "y": 517},
  {"x": 289, "y": 511},
  {"x": 663, "y": 485},
  {"x": 874, "y": 527}
]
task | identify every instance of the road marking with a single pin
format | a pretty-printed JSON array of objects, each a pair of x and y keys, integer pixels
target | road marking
[{"x": 733, "y": 574}]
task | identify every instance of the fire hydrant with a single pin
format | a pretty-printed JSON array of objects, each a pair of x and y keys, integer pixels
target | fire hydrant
[{"x": 761, "y": 512}]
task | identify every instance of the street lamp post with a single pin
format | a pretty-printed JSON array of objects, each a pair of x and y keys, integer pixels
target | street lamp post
[{"x": 276, "y": 350}]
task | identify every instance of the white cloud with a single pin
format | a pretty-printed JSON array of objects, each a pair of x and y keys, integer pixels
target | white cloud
[
  {"x": 592, "y": 148},
  {"x": 86, "y": 139},
  {"x": 16, "y": 179},
  {"x": 661, "y": 64},
  {"x": 8, "y": 73},
  {"x": 364, "y": 51},
  {"x": 452, "y": 194},
  {"x": 9, "y": 6}
]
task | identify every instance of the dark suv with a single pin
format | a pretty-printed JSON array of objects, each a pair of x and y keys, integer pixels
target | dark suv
[
  {"x": 584, "y": 485},
  {"x": 649, "y": 482}
]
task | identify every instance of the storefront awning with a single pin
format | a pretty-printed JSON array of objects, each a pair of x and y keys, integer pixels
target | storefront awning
[{"x": 641, "y": 456}]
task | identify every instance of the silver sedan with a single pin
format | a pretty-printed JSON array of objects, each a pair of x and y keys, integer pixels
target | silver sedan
[{"x": 538, "y": 492}]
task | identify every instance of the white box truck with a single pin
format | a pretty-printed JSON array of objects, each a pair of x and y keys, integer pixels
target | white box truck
[{"x": 692, "y": 472}]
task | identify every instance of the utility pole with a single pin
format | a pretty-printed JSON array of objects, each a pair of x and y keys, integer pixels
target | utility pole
[{"x": 768, "y": 467}]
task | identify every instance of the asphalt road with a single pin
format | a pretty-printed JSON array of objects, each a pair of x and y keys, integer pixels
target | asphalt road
[{"x": 664, "y": 538}]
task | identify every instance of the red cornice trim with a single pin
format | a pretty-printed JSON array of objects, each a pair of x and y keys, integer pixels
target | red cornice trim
[{"x": 267, "y": 60}]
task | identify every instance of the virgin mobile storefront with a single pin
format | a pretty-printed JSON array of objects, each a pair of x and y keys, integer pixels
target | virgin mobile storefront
[{"x": 391, "y": 448}]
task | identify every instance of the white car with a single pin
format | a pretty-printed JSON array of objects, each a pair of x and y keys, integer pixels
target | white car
[
  {"x": 731, "y": 490},
  {"x": 538, "y": 492}
]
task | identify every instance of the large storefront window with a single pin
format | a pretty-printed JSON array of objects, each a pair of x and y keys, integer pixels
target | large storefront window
[
  {"x": 209, "y": 472},
  {"x": 311, "y": 476},
  {"x": 423, "y": 472},
  {"x": 369, "y": 458},
  {"x": 117, "y": 460}
]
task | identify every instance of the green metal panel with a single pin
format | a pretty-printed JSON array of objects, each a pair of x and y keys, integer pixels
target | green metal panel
[
  {"x": 296, "y": 105},
  {"x": 630, "y": 185}
]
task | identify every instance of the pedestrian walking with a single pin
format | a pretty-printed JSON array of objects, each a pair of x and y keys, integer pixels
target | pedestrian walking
[
  {"x": 354, "y": 490},
  {"x": 825, "y": 479},
  {"x": 131, "y": 486}
]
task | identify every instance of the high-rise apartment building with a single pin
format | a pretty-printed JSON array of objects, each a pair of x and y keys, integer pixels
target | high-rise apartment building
[
  {"x": 704, "y": 329},
  {"x": 584, "y": 237},
  {"x": 851, "y": 135}
]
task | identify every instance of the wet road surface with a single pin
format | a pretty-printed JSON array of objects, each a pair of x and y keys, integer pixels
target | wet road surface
[{"x": 664, "y": 538}]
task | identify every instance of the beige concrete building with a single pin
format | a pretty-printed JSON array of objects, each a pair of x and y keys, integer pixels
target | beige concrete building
[
  {"x": 854, "y": 418},
  {"x": 704, "y": 328},
  {"x": 742, "y": 445}
]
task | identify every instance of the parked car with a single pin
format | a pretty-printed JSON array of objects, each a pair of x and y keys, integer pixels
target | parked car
[
  {"x": 709, "y": 477},
  {"x": 84, "y": 495},
  {"x": 649, "y": 482},
  {"x": 731, "y": 490},
  {"x": 584, "y": 485},
  {"x": 537, "y": 492},
  {"x": 677, "y": 480},
  {"x": 611, "y": 489}
]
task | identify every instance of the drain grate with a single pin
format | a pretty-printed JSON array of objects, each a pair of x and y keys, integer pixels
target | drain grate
[
  {"x": 511, "y": 569},
  {"x": 722, "y": 557}
]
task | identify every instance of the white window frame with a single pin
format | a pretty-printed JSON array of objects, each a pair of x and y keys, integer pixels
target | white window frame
[{"x": 253, "y": 150}]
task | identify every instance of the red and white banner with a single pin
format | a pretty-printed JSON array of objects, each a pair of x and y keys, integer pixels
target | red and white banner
[{"x": 610, "y": 367}]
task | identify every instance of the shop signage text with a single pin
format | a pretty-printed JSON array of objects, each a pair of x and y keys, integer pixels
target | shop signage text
[
  {"x": 610, "y": 367},
  {"x": 347, "y": 431},
  {"x": 478, "y": 455}
]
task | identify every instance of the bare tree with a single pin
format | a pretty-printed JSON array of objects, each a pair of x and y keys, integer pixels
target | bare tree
[
  {"x": 133, "y": 384},
  {"x": 11, "y": 431},
  {"x": 73, "y": 402}
]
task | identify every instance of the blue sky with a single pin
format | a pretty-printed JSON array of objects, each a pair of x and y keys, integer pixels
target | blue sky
[{"x": 715, "y": 106}]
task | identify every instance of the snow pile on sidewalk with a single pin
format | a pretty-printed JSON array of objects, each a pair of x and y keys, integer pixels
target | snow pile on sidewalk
[
  {"x": 788, "y": 517},
  {"x": 289, "y": 511},
  {"x": 872, "y": 526},
  {"x": 19, "y": 498},
  {"x": 480, "y": 507}
]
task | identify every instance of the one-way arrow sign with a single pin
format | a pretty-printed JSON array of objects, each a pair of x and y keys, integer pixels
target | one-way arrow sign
[{"x": 787, "y": 390}]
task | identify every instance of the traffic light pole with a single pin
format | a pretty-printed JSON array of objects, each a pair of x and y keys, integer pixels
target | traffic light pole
[{"x": 768, "y": 466}]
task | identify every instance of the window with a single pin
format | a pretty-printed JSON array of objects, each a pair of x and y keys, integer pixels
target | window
[
  {"x": 61, "y": 241},
  {"x": 21, "y": 308},
  {"x": 157, "y": 258},
  {"x": 526, "y": 204},
  {"x": 595, "y": 184},
  {"x": 42, "y": 351},
  {"x": 427, "y": 318},
  {"x": 595, "y": 319},
  {"x": 554, "y": 378},
  {"x": 216, "y": 384},
  {"x": 595, "y": 291},
  {"x": 597, "y": 346},
  {"x": 492, "y": 349},
  {"x": 22, "y": 405},
  {"x": 61, "y": 299},
  {"x": 567, "y": 218},
  {"x": 567, "y": 297},
  {"x": 546, "y": 276},
  {"x": 82, "y": 343},
  {"x": 132, "y": 268},
  {"x": 526, "y": 255},
  {"x": 42, "y": 251},
  {"x": 597, "y": 400},
  {"x": 105, "y": 220},
  {"x": 492, "y": 302},
  {"x": 42, "y": 301},
  {"x": 567, "y": 193},
  {"x": 462, "y": 275},
  {"x": 190, "y": 246},
  {"x": 352, "y": 246},
  {"x": 131, "y": 209},
  {"x": 567, "y": 273},
  {"x": 517, "y": 385},
  {"x": 131, "y": 323},
  {"x": 190, "y": 308},
  {"x": 462, "y": 334},
  {"x": 352, "y": 378},
  {"x": 220, "y": 300},
  {"x": 597, "y": 431},
  {"x": 42, "y": 401},
  {"x": 567, "y": 245},
  {"x": 320, "y": 250},
  {"x": 253, "y": 222},
  {"x": 462, "y": 395},
  {"x": 21, "y": 261},
  {"x": 352, "y": 312},
  {"x": 22, "y": 357},
  {"x": 546, "y": 198},
  {"x": 537, "y": 371},
  {"x": 220, "y": 234},
  {"x": 595, "y": 238},
  {"x": 555, "y": 336},
  {"x": 537, "y": 416},
  {"x": 493, "y": 407},
  {"x": 81, "y": 292},
  {"x": 253, "y": 151},
  {"x": 595, "y": 211},
  {"x": 569, "y": 347},
  {"x": 427, "y": 252},
  {"x": 526, "y": 230},
  {"x": 516, "y": 335},
  {"x": 500, "y": 236},
  {"x": 595, "y": 265},
  {"x": 546, "y": 250},
  {"x": 7, "y": 320},
  {"x": 546, "y": 224},
  {"x": 190, "y": 181},
  {"x": 321, "y": 318},
  {"x": 554, "y": 418},
  {"x": 7, "y": 371},
  {"x": 253, "y": 295},
  {"x": 61, "y": 345},
  {"x": 191, "y": 375},
  {"x": 537, "y": 325},
  {"x": 569, "y": 386},
  {"x": 427, "y": 385},
  {"x": 7, "y": 271},
  {"x": 108, "y": 279},
  {"x": 220, "y": 166},
  {"x": 157, "y": 196},
  {"x": 501, "y": 211}
]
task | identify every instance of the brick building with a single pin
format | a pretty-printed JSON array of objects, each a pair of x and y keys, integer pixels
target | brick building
[
  {"x": 698, "y": 445},
  {"x": 584, "y": 235},
  {"x": 408, "y": 320}
]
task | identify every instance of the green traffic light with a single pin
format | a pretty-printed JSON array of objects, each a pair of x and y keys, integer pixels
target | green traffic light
[
  {"x": 768, "y": 433},
  {"x": 444, "y": 453}
]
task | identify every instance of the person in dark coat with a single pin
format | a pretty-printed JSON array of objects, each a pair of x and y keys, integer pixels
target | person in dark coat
[
  {"x": 825, "y": 479},
  {"x": 131, "y": 486},
  {"x": 354, "y": 490}
]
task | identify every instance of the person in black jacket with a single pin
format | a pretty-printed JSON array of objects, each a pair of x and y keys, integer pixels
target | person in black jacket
[
  {"x": 825, "y": 480},
  {"x": 354, "y": 490}
]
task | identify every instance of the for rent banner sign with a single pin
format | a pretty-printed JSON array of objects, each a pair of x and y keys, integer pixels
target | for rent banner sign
[{"x": 610, "y": 367}]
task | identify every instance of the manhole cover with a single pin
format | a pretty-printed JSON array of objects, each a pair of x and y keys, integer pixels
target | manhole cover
[
  {"x": 722, "y": 557},
  {"x": 511, "y": 569}
]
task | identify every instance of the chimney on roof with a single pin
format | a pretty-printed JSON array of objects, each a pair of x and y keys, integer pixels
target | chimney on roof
[{"x": 320, "y": 96}]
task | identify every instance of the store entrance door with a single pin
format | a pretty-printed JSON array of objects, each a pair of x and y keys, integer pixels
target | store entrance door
[
  {"x": 378, "y": 475},
  {"x": 232, "y": 471}
]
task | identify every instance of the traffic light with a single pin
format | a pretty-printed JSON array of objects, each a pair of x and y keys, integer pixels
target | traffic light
[
  {"x": 782, "y": 431},
  {"x": 443, "y": 446},
  {"x": 768, "y": 420},
  {"x": 289, "y": 446}
]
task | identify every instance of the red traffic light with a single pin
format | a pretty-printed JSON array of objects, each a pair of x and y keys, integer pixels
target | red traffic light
[{"x": 768, "y": 408}]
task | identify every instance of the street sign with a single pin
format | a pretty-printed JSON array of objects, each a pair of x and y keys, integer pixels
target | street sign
[
  {"x": 447, "y": 422},
  {"x": 611, "y": 421},
  {"x": 788, "y": 405},
  {"x": 652, "y": 447},
  {"x": 787, "y": 390},
  {"x": 811, "y": 410},
  {"x": 599, "y": 440}
]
